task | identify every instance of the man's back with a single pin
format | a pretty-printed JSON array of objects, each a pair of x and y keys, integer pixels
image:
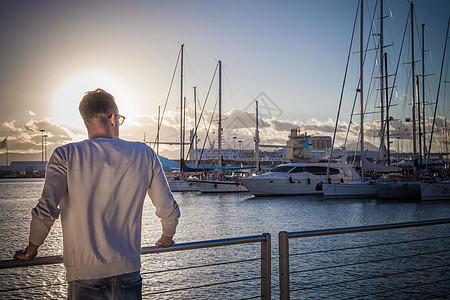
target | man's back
[{"x": 103, "y": 183}]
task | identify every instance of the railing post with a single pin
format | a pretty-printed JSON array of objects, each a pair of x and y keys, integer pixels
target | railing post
[
  {"x": 266, "y": 267},
  {"x": 283, "y": 254}
]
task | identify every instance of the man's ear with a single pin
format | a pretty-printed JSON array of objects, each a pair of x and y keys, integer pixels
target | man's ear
[{"x": 112, "y": 120}]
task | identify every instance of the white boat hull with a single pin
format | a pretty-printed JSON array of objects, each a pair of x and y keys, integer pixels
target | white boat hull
[
  {"x": 435, "y": 191},
  {"x": 358, "y": 189},
  {"x": 298, "y": 179},
  {"x": 182, "y": 186},
  {"x": 284, "y": 186},
  {"x": 218, "y": 186}
]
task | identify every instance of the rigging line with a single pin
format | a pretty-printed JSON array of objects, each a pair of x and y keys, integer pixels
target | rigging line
[
  {"x": 369, "y": 91},
  {"x": 207, "y": 133},
  {"x": 228, "y": 85},
  {"x": 342, "y": 92},
  {"x": 396, "y": 73},
  {"x": 191, "y": 69},
  {"x": 201, "y": 113},
  {"x": 168, "y": 94},
  {"x": 359, "y": 82},
  {"x": 207, "y": 96},
  {"x": 239, "y": 82},
  {"x": 372, "y": 29},
  {"x": 437, "y": 96}
]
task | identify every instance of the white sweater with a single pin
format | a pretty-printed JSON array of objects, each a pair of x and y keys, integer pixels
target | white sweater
[{"x": 98, "y": 186}]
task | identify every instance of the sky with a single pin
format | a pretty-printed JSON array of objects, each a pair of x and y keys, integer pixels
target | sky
[{"x": 289, "y": 55}]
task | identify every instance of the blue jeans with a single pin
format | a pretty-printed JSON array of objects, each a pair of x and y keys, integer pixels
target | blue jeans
[{"x": 121, "y": 287}]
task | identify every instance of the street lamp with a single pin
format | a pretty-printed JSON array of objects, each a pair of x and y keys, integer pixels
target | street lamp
[
  {"x": 42, "y": 146},
  {"x": 240, "y": 150},
  {"x": 45, "y": 147}
]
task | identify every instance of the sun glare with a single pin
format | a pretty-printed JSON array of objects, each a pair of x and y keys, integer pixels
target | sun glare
[{"x": 70, "y": 92}]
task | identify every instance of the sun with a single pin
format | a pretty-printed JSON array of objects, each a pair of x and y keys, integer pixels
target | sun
[{"x": 68, "y": 96}]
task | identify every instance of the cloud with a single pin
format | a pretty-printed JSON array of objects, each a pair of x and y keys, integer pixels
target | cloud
[
  {"x": 278, "y": 125},
  {"x": 27, "y": 137},
  {"x": 239, "y": 131}
]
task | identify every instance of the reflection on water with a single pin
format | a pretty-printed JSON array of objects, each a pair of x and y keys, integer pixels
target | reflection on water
[{"x": 217, "y": 216}]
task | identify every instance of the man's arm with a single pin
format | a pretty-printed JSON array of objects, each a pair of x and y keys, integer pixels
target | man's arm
[
  {"x": 166, "y": 207},
  {"x": 46, "y": 211}
]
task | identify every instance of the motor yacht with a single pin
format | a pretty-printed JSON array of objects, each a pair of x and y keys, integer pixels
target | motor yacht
[{"x": 299, "y": 179}]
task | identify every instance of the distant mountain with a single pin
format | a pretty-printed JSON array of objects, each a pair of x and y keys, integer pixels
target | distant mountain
[{"x": 356, "y": 145}]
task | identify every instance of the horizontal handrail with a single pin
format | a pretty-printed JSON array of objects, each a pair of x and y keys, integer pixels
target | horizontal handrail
[
  {"x": 40, "y": 261},
  {"x": 345, "y": 230},
  {"x": 57, "y": 259},
  {"x": 283, "y": 247}
]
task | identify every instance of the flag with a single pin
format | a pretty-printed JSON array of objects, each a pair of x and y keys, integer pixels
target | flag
[{"x": 3, "y": 145}]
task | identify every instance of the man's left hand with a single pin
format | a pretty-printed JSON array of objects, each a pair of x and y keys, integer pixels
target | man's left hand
[{"x": 165, "y": 241}]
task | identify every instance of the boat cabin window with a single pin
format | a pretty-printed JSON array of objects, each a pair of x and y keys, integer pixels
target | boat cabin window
[
  {"x": 334, "y": 171},
  {"x": 281, "y": 169},
  {"x": 298, "y": 170},
  {"x": 317, "y": 170}
]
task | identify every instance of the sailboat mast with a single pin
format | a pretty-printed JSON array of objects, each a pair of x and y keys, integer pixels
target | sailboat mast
[
  {"x": 413, "y": 74},
  {"x": 181, "y": 114},
  {"x": 388, "y": 143},
  {"x": 257, "y": 140},
  {"x": 418, "y": 120},
  {"x": 361, "y": 57},
  {"x": 159, "y": 128},
  {"x": 195, "y": 126},
  {"x": 423, "y": 92},
  {"x": 220, "y": 118},
  {"x": 381, "y": 76},
  {"x": 438, "y": 91}
]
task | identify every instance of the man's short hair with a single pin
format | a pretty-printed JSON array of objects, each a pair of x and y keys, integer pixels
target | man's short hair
[{"x": 97, "y": 104}]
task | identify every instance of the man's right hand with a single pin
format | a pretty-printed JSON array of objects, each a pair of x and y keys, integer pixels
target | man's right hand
[{"x": 29, "y": 253}]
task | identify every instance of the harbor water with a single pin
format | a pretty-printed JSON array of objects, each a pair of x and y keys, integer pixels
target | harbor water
[{"x": 218, "y": 216}]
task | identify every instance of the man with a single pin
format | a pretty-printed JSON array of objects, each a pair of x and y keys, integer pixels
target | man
[{"x": 98, "y": 186}]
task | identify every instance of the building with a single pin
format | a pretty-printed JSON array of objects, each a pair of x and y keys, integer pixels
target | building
[
  {"x": 300, "y": 146},
  {"x": 321, "y": 142},
  {"x": 244, "y": 156},
  {"x": 23, "y": 169}
]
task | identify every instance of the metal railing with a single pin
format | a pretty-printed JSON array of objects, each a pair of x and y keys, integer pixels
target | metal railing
[
  {"x": 284, "y": 255},
  {"x": 285, "y": 264},
  {"x": 265, "y": 262}
]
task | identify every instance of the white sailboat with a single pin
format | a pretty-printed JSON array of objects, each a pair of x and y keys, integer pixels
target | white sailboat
[
  {"x": 218, "y": 184},
  {"x": 433, "y": 188},
  {"x": 409, "y": 189},
  {"x": 179, "y": 184},
  {"x": 362, "y": 188}
]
